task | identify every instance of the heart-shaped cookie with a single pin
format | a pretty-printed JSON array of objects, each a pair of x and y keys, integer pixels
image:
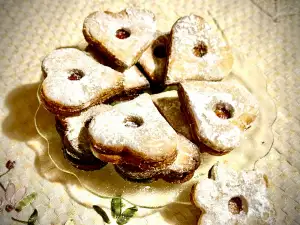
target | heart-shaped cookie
[
  {"x": 134, "y": 81},
  {"x": 218, "y": 112},
  {"x": 74, "y": 135},
  {"x": 74, "y": 81},
  {"x": 121, "y": 36},
  {"x": 135, "y": 133},
  {"x": 197, "y": 52},
  {"x": 169, "y": 106},
  {"x": 154, "y": 59},
  {"x": 180, "y": 171}
]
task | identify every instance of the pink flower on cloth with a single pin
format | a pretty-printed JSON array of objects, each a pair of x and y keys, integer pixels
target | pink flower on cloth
[{"x": 10, "y": 197}]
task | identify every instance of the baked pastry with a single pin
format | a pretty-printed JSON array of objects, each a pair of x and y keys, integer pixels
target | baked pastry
[
  {"x": 134, "y": 80},
  {"x": 122, "y": 36},
  {"x": 229, "y": 197},
  {"x": 218, "y": 112},
  {"x": 169, "y": 106},
  {"x": 74, "y": 135},
  {"x": 181, "y": 170},
  {"x": 134, "y": 84},
  {"x": 134, "y": 133},
  {"x": 196, "y": 52},
  {"x": 75, "y": 81},
  {"x": 154, "y": 59}
]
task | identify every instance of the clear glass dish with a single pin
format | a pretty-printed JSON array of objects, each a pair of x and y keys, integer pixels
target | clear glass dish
[{"x": 107, "y": 183}]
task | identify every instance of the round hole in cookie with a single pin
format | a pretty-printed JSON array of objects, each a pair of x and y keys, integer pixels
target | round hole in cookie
[
  {"x": 160, "y": 51},
  {"x": 200, "y": 49},
  {"x": 123, "y": 33},
  {"x": 238, "y": 204},
  {"x": 75, "y": 74},
  {"x": 224, "y": 110},
  {"x": 133, "y": 121}
]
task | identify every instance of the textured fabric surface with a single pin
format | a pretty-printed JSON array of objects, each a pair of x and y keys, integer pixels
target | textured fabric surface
[{"x": 265, "y": 30}]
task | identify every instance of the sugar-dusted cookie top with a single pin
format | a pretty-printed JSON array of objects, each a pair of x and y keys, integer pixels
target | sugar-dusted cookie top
[
  {"x": 75, "y": 81},
  {"x": 218, "y": 112},
  {"x": 197, "y": 52},
  {"x": 134, "y": 132},
  {"x": 134, "y": 80},
  {"x": 187, "y": 161},
  {"x": 122, "y": 36},
  {"x": 154, "y": 59},
  {"x": 75, "y": 138},
  {"x": 229, "y": 197},
  {"x": 181, "y": 170},
  {"x": 75, "y": 127}
]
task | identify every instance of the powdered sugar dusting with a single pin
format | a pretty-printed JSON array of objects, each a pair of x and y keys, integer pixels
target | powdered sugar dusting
[
  {"x": 187, "y": 161},
  {"x": 155, "y": 66},
  {"x": 219, "y": 134},
  {"x": 97, "y": 79},
  {"x": 133, "y": 79},
  {"x": 102, "y": 26},
  {"x": 187, "y": 32},
  {"x": 188, "y": 156},
  {"x": 154, "y": 139},
  {"x": 75, "y": 124},
  {"x": 213, "y": 196}
]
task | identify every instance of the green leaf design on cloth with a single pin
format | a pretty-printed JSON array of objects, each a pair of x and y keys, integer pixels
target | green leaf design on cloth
[
  {"x": 26, "y": 201},
  {"x": 19, "y": 221},
  {"x": 102, "y": 213},
  {"x": 126, "y": 215},
  {"x": 33, "y": 217},
  {"x": 116, "y": 207}
]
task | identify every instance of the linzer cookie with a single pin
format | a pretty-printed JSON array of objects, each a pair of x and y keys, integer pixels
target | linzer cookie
[
  {"x": 134, "y": 81},
  {"x": 169, "y": 106},
  {"x": 196, "y": 52},
  {"x": 181, "y": 170},
  {"x": 134, "y": 133},
  {"x": 74, "y": 81},
  {"x": 134, "y": 84},
  {"x": 76, "y": 145},
  {"x": 229, "y": 197},
  {"x": 154, "y": 59},
  {"x": 218, "y": 112},
  {"x": 122, "y": 36}
]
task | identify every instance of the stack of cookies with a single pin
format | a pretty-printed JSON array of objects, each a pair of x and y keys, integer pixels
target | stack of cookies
[{"x": 146, "y": 136}]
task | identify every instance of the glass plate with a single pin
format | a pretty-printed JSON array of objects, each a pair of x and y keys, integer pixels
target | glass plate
[{"x": 107, "y": 183}]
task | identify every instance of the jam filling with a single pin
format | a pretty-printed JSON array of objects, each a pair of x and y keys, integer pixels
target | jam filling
[
  {"x": 200, "y": 49},
  {"x": 122, "y": 33}
]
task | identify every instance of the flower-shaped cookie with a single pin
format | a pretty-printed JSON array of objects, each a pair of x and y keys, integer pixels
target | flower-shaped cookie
[{"x": 229, "y": 197}]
